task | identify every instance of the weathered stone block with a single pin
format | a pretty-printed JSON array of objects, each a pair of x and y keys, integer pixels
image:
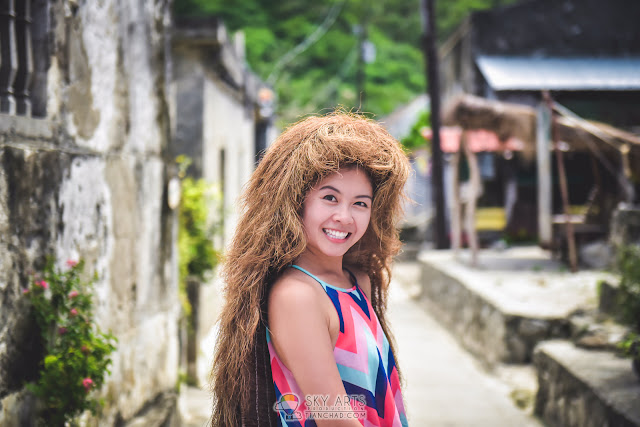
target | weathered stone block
[
  {"x": 497, "y": 315},
  {"x": 581, "y": 388},
  {"x": 17, "y": 410},
  {"x": 625, "y": 225}
]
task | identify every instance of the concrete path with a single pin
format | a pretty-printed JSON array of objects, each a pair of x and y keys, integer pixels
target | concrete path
[
  {"x": 444, "y": 385},
  {"x": 194, "y": 405}
]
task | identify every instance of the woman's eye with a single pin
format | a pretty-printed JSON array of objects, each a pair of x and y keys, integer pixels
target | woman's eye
[
  {"x": 363, "y": 204},
  {"x": 330, "y": 197}
]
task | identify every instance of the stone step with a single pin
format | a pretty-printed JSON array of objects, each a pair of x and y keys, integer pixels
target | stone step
[
  {"x": 502, "y": 308},
  {"x": 584, "y": 388}
]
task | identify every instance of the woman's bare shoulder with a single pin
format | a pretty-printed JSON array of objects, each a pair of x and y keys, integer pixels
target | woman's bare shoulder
[{"x": 292, "y": 286}]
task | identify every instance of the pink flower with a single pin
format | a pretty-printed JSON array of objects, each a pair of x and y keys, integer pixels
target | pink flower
[
  {"x": 84, "y": 349},
  {"x": 42, "y": 284},
  {"x": 72, "y": 263},
  {"x": 25, "y": 291},
  {"x": 74, "y": 312},
  {"x": 73, "y": 294},
  {"x": 87, "y": 383},
  {"x": 62, "y": 330}
]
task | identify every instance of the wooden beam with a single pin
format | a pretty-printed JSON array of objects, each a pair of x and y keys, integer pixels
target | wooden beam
[
  {"x": 474, "y": 192},
  {"x": 455, "y": 203},
  {"x": 543, "y": 157},
  {"x": 564, "y": 189}
]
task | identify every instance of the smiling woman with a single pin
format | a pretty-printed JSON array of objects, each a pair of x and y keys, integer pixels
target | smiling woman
[{"x": 303, "y": 337}]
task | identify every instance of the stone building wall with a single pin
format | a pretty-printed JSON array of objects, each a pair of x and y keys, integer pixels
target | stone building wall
[
  {"x": 89, "y": 180},
  {"x": 228, "y": 129},
  {"x": 223, "y": 119}
]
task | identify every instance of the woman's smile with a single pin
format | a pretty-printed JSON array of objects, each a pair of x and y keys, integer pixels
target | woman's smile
[{"x": 335, "y": 234}]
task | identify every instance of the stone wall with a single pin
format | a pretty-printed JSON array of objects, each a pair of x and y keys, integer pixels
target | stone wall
[
  {"x": 497, "y": 318},
  {"x": 584, "y": 388},
  {"x": 89, "y": 180},
  {"x": 625, "y": 226}
]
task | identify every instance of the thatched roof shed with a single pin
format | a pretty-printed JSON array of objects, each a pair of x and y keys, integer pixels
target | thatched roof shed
[
  {"x": 509, "y": 120},
  {"x": 506, "y": 120}
]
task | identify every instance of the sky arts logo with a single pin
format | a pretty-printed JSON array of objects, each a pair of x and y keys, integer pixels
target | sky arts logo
[
  {"x": 287, "y": 406},
  {"x": 315, "y": 406}
]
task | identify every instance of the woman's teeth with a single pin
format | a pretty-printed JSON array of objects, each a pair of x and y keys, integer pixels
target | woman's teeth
[{"x": 335, "y": 233}]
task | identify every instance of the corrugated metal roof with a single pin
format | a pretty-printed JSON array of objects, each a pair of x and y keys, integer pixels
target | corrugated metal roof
[{"x": 527, "y": 73}]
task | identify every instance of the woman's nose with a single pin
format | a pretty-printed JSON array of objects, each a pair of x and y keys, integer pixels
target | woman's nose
[{"x": 343, "y": 215}]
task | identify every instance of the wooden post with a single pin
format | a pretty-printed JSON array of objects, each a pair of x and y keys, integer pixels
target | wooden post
[
  {"x": 437, "y": 180},
  {"x": 625, "y": 176},
  {"x": 564, "y": 190},
  {"x": 543, "y": 157},
  {"x": 455, "y": 202},
  {"x": 474, "y": 193}
]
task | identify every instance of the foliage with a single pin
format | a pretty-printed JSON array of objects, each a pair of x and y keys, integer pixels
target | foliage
[
  {"x": 630, "y": 346},
  {"x": 415, "y": 139},
  {"x": 197, "y": 256},
  {"x": 628, "y": 264},
  {"x": 77, "y": 354},
  {"x": 325, "y": 74},
  {"x": 449, "y": 14}
]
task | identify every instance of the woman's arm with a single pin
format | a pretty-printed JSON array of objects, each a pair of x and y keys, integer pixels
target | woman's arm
[{"x": 299, "y": 327}]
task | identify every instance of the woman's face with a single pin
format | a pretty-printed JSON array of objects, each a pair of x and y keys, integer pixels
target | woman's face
[{"x": 336, "y": 212}]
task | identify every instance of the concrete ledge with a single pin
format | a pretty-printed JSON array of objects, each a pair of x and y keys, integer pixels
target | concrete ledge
[
  {"x": 503, "y": 308},
  {"x": 585, "y": 388},
  {"x": 29, "y": 127}
]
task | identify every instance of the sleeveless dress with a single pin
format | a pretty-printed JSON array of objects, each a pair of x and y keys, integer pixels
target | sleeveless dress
[{"x": 365, "y": 363}]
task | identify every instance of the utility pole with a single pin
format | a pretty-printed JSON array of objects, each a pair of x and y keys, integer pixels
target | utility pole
[
  {"x": 364, "y": 55},
  {"x": 427, "y": 8}
]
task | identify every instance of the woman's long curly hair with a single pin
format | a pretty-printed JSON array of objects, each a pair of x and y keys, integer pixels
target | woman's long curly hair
[{"x": 270, "y": 236}]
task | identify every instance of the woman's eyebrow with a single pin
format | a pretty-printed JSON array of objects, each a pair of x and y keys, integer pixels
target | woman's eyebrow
[{"x": 329, "y": 187}]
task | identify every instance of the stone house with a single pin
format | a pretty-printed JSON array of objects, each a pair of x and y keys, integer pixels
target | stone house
[
  {"x": 223, "y": 112},
  {"x": 586, "y": 55},
  {"x": 222, "y": 119},
  {"x": 88, "y": 112}
]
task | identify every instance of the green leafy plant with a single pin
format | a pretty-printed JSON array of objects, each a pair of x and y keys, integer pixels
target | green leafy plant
[
  {"x": 197, "y": 230},
  {"x": 77, "y": 353},
  {"x": 628, "y": 264},
  {"x": 630, "y": 347},
  {"x": 628, "y": 299},
  {"x": 197, "y": 256},
  {"x": 415, "y": 139}
]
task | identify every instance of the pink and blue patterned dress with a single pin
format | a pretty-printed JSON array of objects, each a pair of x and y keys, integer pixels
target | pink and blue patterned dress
[{"x": 365, "y": 363}]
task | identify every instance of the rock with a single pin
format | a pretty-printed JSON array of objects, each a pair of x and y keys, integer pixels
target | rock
[
  {"x": 625, "y": 225},
  {"x": 161, "y": 412},
  {"x": 17, "y": 410},
  {"x": 597, "y": 341},
  {"x": 598, "y": 254},
  {"x": 607, "y": 297},
  {"x": 523, "y": 399},
  {"x": 533, "y": 328}
]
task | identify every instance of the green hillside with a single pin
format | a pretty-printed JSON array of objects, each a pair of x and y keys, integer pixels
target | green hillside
[{"x": 309, "y": 51}]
